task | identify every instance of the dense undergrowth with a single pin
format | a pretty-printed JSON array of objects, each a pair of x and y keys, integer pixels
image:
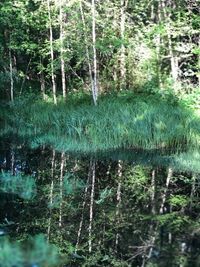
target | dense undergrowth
[{"x": 124, "y": 121}]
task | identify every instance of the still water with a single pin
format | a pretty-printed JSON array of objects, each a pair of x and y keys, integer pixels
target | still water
[{"x": 125, "y": 208}]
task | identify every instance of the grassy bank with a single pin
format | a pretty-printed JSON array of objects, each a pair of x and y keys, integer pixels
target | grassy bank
[{"x": 126, "y": 121}]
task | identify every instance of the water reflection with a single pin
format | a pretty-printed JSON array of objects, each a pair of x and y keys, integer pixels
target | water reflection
[{"x": 122, "y": 208}]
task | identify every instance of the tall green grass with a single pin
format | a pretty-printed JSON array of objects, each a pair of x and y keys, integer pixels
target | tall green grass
[{"x": 127, "y": 121}]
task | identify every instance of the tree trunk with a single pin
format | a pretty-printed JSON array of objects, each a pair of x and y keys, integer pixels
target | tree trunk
[
  {"x": 198, "y": 68},
  {"x": 93, "y": 174},
  {"x": 173, "y": 58},
  {"x": 122, "y": 52},
  {"x": 52, "y": 54},
  {"x": 86, "y": 49},
  {"x": 11, "y": 77},
  {"x": 158, "y": 48},
  {"x": 42, "y": 85},
  {"x": 95, "y": 85},
  {"x": 62, "y": 51}
]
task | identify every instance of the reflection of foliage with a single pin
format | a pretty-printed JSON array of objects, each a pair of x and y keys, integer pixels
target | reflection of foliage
[
  {"x": 72, "y": 184},
  {"x": 36, "y": 251},
  {"x": 23, "y": 186},
  {"x": 179, "y": 201},
  {"x": 104, "y": 194},
  {"x": 174, "y": 221}
]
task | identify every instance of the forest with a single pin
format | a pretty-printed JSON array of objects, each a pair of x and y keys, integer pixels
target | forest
[{"x": 99, "y": 133}]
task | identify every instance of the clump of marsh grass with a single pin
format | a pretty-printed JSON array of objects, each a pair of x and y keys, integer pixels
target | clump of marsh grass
[{"x": 123, "y": 122}]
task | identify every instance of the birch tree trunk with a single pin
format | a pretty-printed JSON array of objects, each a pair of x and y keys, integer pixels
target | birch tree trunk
[
  {"x": 158, "y": 47},
  {"x": 52, "y": 54},
  {"x": 173, "y": 58},
  {"x": 62, "y": 61},
  {"x": 198, "y": 68},
  {"x": 95, "y": 85},
  {"x": 93, "y": 176},
  {"x": 42, "y": 85},
  {"x": 86, "y": 48},
  {"x": 122, "y": 52},
  {"x": 11, "y": 77}
]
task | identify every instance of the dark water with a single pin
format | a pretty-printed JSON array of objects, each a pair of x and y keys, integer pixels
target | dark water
[{"x": 124, "y": 208}]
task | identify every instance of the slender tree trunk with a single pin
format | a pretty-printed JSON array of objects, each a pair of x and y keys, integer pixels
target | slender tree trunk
[
  {"x": 198, "y": 69},
  {"x": 86, "y": 49},
  {"x": 51, "y": 194},
  {"x": 11, "y": 77},
  {"x": 52, "y": 53},
  {"x": 62, "y": 165},
  {"x": 119, "y": 173},
  {"x": 42, "y": 85},
  {"x": 95, "y": 85},
  {"x": 93, "y": 176},
  {"x": 122, "y": 52},
  {"x": 24, "y": 79},
  {"x": 62, "y": 51},
  {"x": 173, "y": 58},
  {"x": 158, "y": 48}
]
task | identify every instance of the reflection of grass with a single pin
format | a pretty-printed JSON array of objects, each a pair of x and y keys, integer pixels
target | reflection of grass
[
  {"x": 23, "y": 186},
  {"x": 129, "y": 121},
  {"x": 36, "y": 252}
]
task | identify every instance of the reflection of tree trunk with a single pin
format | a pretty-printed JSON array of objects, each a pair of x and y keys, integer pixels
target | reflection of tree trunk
[
  {"x": 82, "y": 214},
  {"x": 154, "y": 231},
  {"x": 153, "y": 186},
  {"x": 52, "y": 53},
  {"x": 62, "y": 165},
  {"x": 11, "y": 77},
  {"x": 93, "y": 176},
  {"x": 12, "y": 161},
  {"x": 119, "y": 173},
  {"x": 62, "y": 51},
  {"x": 193, "y": 189},
  {"x": 164, "y": 195},
  {"x": 51, "y": 194}
]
